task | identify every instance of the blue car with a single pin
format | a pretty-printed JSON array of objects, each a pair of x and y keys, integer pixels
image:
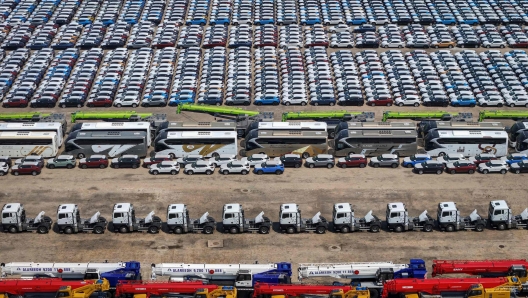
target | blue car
[
  {"x": 357, "y": 21},
  {"x": 311, "y": 22},
  {"x": 514, "y": 158},
  {"x": 463, "y": 102},
  {"x": 411, "y": 161},
  {"x": 269, "y": 167},
  {"x": 267, "y": 100},
  {"x": 177, "y": 99}
]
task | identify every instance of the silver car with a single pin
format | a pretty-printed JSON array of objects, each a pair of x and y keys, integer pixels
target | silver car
[
  {"x": 493, "y": 166},
  {"x": 255, "y": 159},
  {"x": 200, "y": 166},
  {"x": 237, "y": 166},
  {"x": 385, "y": 160},
  {"x": 320, "y": 160},
  {"x": 165, "y": 167},
  {"x": 189, "y": 159},
  {"x": 223, "y": 159}
]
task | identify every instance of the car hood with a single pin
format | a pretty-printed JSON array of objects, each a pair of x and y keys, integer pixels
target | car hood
[
  {"x": 514, "y": 165},
  {"x": 15, "y": 167},
  {"x": 82, "y": 160},
  {"x": 418, "y": 166},
  {"x": 310, "y": 159},
  {"x": 189, "y": 166},
  {"x": 407, "y": 159},
  {"x": 114, "y": 160}
]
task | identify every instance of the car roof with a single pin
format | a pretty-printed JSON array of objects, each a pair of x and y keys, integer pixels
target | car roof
[
  {"x": 130, "y": 156},
  {"x": 98, "y": 156},
  {"x": 169, "y": 162},
  {"x": 389, "y": 156},
  {"x": 422, "y": 156},
  {"x": 194, "y": 156},
  {"x": 258, "y": 155},
  {"x": 65, "y": 156},
  {"x": 325, "y": 155}
]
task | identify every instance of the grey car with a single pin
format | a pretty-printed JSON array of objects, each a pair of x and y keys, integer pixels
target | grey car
[
  {"x": 320, "y": 160},
  {"x": 237, "y": 166},
  {"x": 255, "y": 159},
  {"x": 165, "y": 167},
  {"x": 385, "y": 160},
  {"x": 189, "y": 159},
  {"x": 62, "y": 161},
  {"x": 200, "y": 166}
]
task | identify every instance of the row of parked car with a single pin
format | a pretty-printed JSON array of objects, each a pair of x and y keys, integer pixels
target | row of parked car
[{"x": 228, "y": 164}]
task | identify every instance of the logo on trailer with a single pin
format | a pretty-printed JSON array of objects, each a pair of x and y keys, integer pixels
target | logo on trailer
[{"x": 488, "y": 149}]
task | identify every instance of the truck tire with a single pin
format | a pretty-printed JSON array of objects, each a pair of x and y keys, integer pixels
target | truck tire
[
  {"x": 13, "y": 229},
  {"x": 153, "y": 229},
  {"x": 479, "y": 228},
  {"x": 428, "y": 228},
  {"x": 123, "y": 229},
  {"x": 42, "y": 230},
  {"x": 233, "y": 230},
  {"x": 345, "y": 230},
  {"x": 178, "y": 230},
  {"x": 98, "y": 230},
  {"x": 208, "y": 230},
  {"x": 501, "y": 226},
  {"x": 374, "y": 229},
  {"x": 320, "y": 230},
  {"x": 450, "y": 228},
  {"x": 68, "y": 230},
  {"x": 374, "y": 293},
  {"x": 398, "y": 229},
  {"x": 290, "y": 230},
  {"x": 264, "y": 230}
]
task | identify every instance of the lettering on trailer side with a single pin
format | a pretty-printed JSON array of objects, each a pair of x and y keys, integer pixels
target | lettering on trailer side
[
  {"x": 331, "y": 272},
  {"x": 42, "y": 269},
  {"x": 182, "y": 270}
]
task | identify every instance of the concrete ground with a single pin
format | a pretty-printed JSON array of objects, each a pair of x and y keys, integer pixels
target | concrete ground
[{"x": 313, "y": 189}]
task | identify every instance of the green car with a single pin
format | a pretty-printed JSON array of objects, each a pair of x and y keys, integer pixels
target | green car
[{"x": 62, "y": 161}]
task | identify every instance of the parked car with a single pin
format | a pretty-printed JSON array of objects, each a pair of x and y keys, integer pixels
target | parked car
[
  {"x": 94, "y": 161},
  {"x": 31, "y": 158},
  {"x": 126, "y": 161},
  {"x": 62, "y": 161},
  {"x": 385, "y": 160},
  {"x": 189, "y": 159},
  {"x": 411, "y": 161},
  {"x": 291, "y": 160},
  {"x": 514, "y": 158},
  {"x": 200, "y": 166},
  {"x": 269, "y": 167},
  {"x": 352, "y": 160},
  {"x": 320, "y": 160},
  {"x": 482, "y": 158},
  {"x": 255, "y": 159},
  {"x": 519, "y": 167},
  {"x": 223, "y": 159},
  {"x": 4, "y": 168},
  {"x": 461, "y": 166},
  {"x": 165, "y": 167},
  {"x": 27, "y": 167},
  {"x": 493, "y": 166},
  {"x": 235, "y": 166},
  {"x": 147, "y": 162},
  {"x": 429, "y": 166}
]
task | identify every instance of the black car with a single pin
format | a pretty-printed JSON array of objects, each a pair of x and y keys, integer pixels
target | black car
[
  {"x": 364, "y": 28},
  {"x": 73, "y": 101},
  {"x": 291, "y": 160},
  {"x": 436, "y": 102},
  {"x": 126, "y": 161},
  {"x": 429, "y": 167},
  {"x": 469, "y": 44},
  {"x": 351, "y": 100},
  {"x": 44, "y": 102}
]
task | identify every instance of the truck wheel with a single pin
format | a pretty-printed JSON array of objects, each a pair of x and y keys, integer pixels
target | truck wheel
[
  {"x": 42, "y": 230},
  {"x": 264, "y": 230},
  {"x": 290, "y": 230},
  {"x": 68, "y": 230},
  {"x": 374, "y": 293},
  {"x": 178, "y": 230},
  {"x": 320, "y": 230},
  {"x": 479, "y": 228},
  {"x": 98, "y": 230},
  {"x": 344, "y": 230},
  {"x": 123, "y": 230},
  {"x": 208, "y": 230},
  {"x": 501, "y": 226},
  {"x": 13, "y": 229},
  {"x": 233, "y": 230},
  {"x": 428, "y": 228},
  {"x": 398, "y": 229},
  {"x": 153, "y": 229},
  {"x": 375, "y": 229},
  {"x": 450, "y": 228}
]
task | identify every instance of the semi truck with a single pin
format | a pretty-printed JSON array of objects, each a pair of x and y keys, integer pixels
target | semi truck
[
  {"x": 14, "y": 220},
  {"x": 484, "y": 268},
  {"x": 100, "y": 289},
  {"x": 113, "y": 272},
  {"x": 501, "y": 217},
  {"x": 242, "y": 276},
  {"x": 449, "y": 219},
  {"x": 345, "y": 220},
  {"x": 179, "y": 222},
  {"x": 371, "y": 275},
  {"x": 291, "y": 221},
  {"x": 234, "y": 221},
  {"x": 285, "y": 291},
  {"x": 398, "y": 219},
  {"x": 69, "y": 221},
  {"x": 450, "y": 287},
  {"x": 124, "y": 220}
]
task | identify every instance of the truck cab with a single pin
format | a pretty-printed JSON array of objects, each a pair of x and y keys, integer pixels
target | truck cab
[
  {"x": 125, "y": 221},
  {"x": 179, "y": 222},
  {"x": 69, "y": 221},
  {"x": 398, "y": 219},
  {"x": 292, "y": 222},
  {"x": 500, "y": 216},
  {"x": 345, "y": 220},
  {"x": 449, "y": 219},
  {"x": 14, "y": 220},
  {"x": 234, "y": 221}
]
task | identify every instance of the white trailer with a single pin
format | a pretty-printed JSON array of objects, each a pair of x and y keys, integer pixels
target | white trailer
[{"x": 62, "y": 270}]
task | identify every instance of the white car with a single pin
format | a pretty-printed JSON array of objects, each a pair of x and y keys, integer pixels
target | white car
[
  {"x": 495, "y": 101},
  {"x": 165, "y": 167},
  {"x": 340, "y": 28},
  {"x": 393, "y": 44},
  {"x": 407, "y": 100},
  {"x": 255, "y": 159},
  {"x": 223, "y": 159},
  {"x": 295, "y": 98},
  {"x": 518, "y": 101},
  {"x": 200, "y": 166},
  {"x": 4, "y": 168},
  {"x": 493, "y": 166},
  {"x": 450, "y": 158},
  {"x": 237, "y": 166}
]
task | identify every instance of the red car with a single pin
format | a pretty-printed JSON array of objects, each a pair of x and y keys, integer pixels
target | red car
[
  {"x": 100, "y": 102},
  {"x": 482, "y": 158},
  {"x": 461, "y": 166},
  {"x": 147, "y": 162},
  {"x": 18, "y": 102},
  {"x": 28, "y": 167},
  {"x": 380, "y": 100},
  {"x": 94, "y": 161},
  {"x": 353, "y": 160}
]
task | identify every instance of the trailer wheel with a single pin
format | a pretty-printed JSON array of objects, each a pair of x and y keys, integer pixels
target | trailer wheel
[
  {"x": 42, "y": 230},
  {"x": 153, "y": 229},
  {"x": 344, "y": 230},
  {"x": 264, "y": 230},
  {"x": 320, "y": 230},
  {"x": 290, "y": 230},
  {"x": 233, "y": 230},
  {"x": 123, "y": 229},
  {"x": 479, "y": 228},
  {"x": 398, "y": 229},
  {"x": 68, "y": 230},
  {"x": 501, "y": 226},
  {"x": 208, "y": 230},
  {"x": 428, "y": 228},
  {"x": 178, "y": 230},
  {"x": 13, "y": 229},
  {"x": 450, "y": 228}
]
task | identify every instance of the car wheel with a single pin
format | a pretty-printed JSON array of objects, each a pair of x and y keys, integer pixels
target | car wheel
[
  {"x": 34, "y": 173},
  {"x": 146, "y": 105},
  {"x": 416, "y": 104},
  {"x": 107, "y": 105},
  {"x": 116, "y": 166},
  {"x": 400, "y": 104},
  {"x": 260, "y": 172},
  {"x": 287, "y": 103},
  {"x": 119, "y": 105},
  {"x": 394, "y": 165},
  {"x": 436, "y": 47},
  {"x": 471, "y": 172},
  {"x": 134, "y": 105},
  {"x": 79, "y": 105},
  {"x": 526, "y": 105},
  {"x": 69, "y": 166},
  {"x": 278, "y": 172},
  {"x": 503, "y": 171},
  {"x": 226, "y": 172},
  {"x": 311, "y": 166},
  {"x": 485, "y": 171},
  {"x": 305, "y": 155},
  {"x": 362, "y": 165},
  {"x": 329, "y": 165},
  {"x": 410, "y": 165},
  {"x": 208, "y": 172},
  {"x": 244, "y": 172},
  {"x": 101, "y": 166},
  {"x": 499, "y": 105},
  {"x": 16, "y": 173},
  {"x": 316, "y": 104},
  {"x": 344, "y": 166},
  {"x": 297, "y": 165},
  {"x": 63, "y": 105},
  {"x": 376, "y": 165},
  {"x": 438, "y": 172},
  {"x": 389, "y": 104},
  {"x": 51, "y": 166},
  {"x": 134, "y": 166},
  {"x": 517, "y": 172},
  {"x": 90, "y": 105},
  {"x": 51, "y": 105},
  {"x": 155, "y": 172}
]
